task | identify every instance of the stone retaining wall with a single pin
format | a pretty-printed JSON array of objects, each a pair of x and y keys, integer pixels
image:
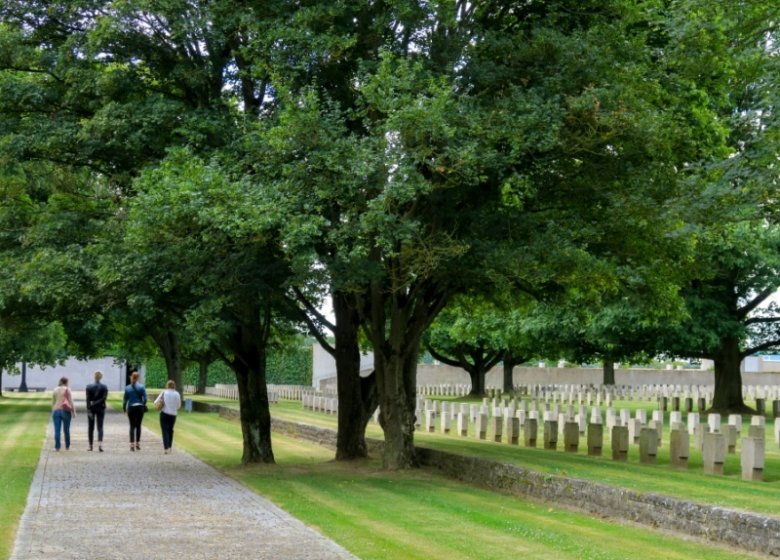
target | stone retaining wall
[{"x": 749, "y": 531}]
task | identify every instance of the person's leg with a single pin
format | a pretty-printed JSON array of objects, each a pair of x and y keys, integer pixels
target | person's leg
[
  {"x": 131, "y": 417},
  {"x": 170, "y": 435},
  {"x": 66, "y": 416},
  {"x": 138, "y": 429},
  {"x": 56, "y": 417},
  {"x": 99, "y": 417},
  {"x": 164, "y": 429},
  {"x": 90, "y": 428}
]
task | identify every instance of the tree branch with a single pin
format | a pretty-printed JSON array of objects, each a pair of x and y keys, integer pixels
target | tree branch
[{"x": 756, "y": 301}]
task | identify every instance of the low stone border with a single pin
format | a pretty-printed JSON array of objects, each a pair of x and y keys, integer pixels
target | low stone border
[{"x": 749, "y": 531}]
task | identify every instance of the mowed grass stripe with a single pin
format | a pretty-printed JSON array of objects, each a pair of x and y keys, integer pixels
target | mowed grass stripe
[
  {"x": 458, "y": 518},
  {"x": 690, "y": 484},
  {"x": 23, "y": 423},
  {"x": 419, "y": 515}
]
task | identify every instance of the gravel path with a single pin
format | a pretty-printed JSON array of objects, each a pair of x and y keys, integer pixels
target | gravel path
[{"x": 145, "y": 504}]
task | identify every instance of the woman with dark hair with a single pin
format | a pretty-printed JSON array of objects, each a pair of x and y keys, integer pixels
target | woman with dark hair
[
  {"x": 62, "y": 410},
  {"x": 134, "y": 405}
]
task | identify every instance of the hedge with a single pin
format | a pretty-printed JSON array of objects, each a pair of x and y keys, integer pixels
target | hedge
[{"x": 288, "y": 367}]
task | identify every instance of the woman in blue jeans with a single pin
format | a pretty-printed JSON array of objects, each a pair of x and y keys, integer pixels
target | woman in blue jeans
[
  {"x": 134, "y": 405},
  {"x": 62, "y": 410}
]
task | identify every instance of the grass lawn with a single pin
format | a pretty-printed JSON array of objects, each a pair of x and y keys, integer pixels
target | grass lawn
[
  {"x": 419, "y": 514},
  {"x": 728, "y": 490},
  {"x": 23, "y": 422},
  {"x": 415, "y": 514}
]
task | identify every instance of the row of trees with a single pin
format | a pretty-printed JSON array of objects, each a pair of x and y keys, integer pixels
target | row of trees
[{"x": 591, "y": 178}]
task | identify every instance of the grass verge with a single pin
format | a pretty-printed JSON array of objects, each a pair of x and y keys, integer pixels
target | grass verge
[{"x": 23, "y": 419}]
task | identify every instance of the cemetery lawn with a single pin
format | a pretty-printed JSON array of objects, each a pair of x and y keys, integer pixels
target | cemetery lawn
[
  {"x": 418, "y": 514},
  {"x": 23, "y": 423},
  {"x": 689, "y": 484}
]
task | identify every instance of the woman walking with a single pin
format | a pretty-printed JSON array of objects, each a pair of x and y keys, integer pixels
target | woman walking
[
  {"x": 168, "y": 403},
  {"x": 62, "y": 410},
  {"x": 134, "y": 405},
  {"x": 97, "y": 393}
]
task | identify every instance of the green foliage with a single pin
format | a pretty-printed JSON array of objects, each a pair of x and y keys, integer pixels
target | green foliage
[{"x": 285, "y": 367}]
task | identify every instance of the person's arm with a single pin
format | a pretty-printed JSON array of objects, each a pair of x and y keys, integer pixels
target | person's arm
[
  {"x": 124, "y": 402},
  {"x": 69, "y": 396}
]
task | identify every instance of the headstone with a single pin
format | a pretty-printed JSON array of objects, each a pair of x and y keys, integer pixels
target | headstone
[
  {"x": 679, "y": 448},
  {"x": 648, "y": 445},
  {"x": 776, "y": 409},
  {"x": 511, "y": 429},
  {"x": 634, "y": 428},
  {"x": 595, "y": 439},
  {"x": 675, "y": 417},
  {"x": 676, "y": 403},
  {"x": 714, "y": 452},
  {"x": 761, "y": 406},
  {"x": 446, "y": 422},
  {"x": 777, "y": 431},
  {"x": 736, "y": 421},
  {"x": 713, "y": 422},
  {"x": 757, "y": 432},
  {"x": 620, "y": 443},
  {"x": 693, "y": 421},
  {"x": 496, "y": 428},
  {"x": 658, "y": 426},
  {"x": 550, "y": 435},
  {"x": 702, "y": 404},
  {"x": 530, "y": 430},
  {"x": 698, "y": 436},
  {"x": 731, "y": 438},
  {"x": 481, "y": 426},
  {"x": 430, "y": 420},
  {"x": 463, "y": 424},
  {"x": 752, "y": 459},
  {"x": 688, "y": 404},
  {"x": 571, "y": 437},
  {"x": 756, "y": 420}
]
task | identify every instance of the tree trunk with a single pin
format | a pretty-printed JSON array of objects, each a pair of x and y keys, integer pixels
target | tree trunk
[
  {"x": 728, "y": 379},
  {"x": 509, "y": 381},
  {"x": 203, "y": 375},
  {"x": 357, "y": 398},
  {"x": 609, "y": 371},
  {"x": 396, "y": 374},
  {"x": 477, "y": 375},
  {"x": 249, "y": 346},
  {"x": 168, "y": 342}
]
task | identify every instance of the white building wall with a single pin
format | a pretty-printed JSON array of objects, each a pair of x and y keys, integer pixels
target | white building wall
[
  {"x": 79, "y": 374},
  {"x": 324, "y": 366}
]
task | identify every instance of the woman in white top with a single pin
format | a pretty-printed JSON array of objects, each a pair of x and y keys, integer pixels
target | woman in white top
[{"x": 168, "y": 402}]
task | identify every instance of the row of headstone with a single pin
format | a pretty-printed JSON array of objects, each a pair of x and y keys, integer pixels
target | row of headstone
[
  {"x": 713, "y": 439},
  {"x": 289, "y": 392},
  {"x": 318, "y": 403},
  {"x": 675, "y": 397}
]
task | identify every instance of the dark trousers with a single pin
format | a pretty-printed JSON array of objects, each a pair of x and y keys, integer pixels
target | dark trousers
[
  {"x": 95, "y": 418},
  {"x": 136, "y": 415},
  {"x": 167, "y": 421}
]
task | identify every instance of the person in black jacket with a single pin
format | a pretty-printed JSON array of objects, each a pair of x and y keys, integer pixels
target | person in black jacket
[{"x": 97, "y": 393}]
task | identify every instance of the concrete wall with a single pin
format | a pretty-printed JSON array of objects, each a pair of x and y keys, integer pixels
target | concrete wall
[
  {"x": 441, "y": 374},
  {"x": 79, "y": 374}
]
